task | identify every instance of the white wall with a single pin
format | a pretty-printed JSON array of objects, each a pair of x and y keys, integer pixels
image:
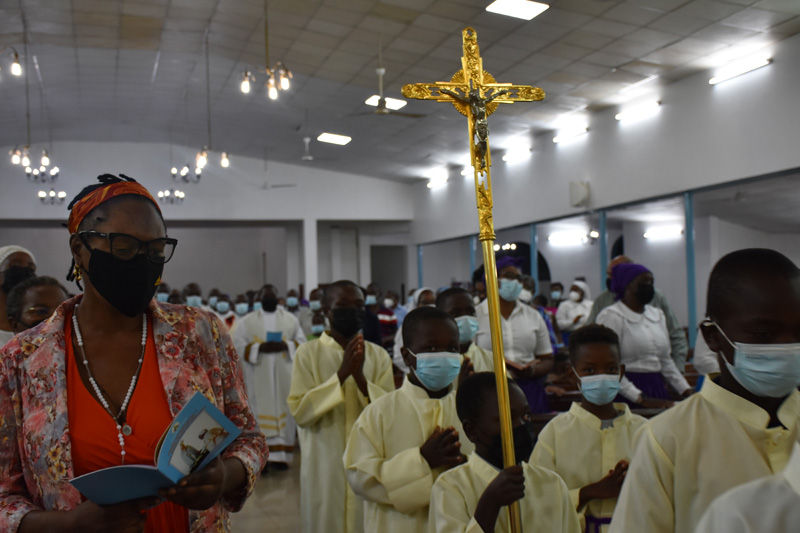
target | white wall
[
  {"x": 445, "y": 262},
  {"x": 703, "y": 135},
  {"x": 720, "y": 238}
]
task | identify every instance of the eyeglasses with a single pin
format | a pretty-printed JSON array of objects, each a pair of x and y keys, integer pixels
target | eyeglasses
[{"x": 125, "y": 247}]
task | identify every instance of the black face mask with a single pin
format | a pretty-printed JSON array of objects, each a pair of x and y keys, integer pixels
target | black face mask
[
  {"x": 523, "y": 445},
  {"x": 127, "y": 285},
  {"x": 269, "y": 304},
  {"x": 14, "y": 275},
  {"x": 645, "y": 293},
  {"x": 347, "y": 321}
]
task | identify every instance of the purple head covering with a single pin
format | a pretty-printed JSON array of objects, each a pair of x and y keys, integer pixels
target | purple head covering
[
  {"x": 507, "y": 260},
  {"x": 622, "y": 275}
]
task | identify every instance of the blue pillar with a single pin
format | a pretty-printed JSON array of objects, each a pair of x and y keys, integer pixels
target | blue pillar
[
  {"x": 473, "y": 249},
  {"x": 603, "y": 231},
  {"x": 535, "y": 256},
  {"x": 691, "y": 285},
  {"x": 419, "y": 265}
]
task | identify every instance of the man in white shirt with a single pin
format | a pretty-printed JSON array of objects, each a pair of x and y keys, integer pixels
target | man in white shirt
[{"x": 266, "y": 340}]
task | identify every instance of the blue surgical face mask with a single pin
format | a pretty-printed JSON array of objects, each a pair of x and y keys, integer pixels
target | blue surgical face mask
[
  {"x": 600, "y": 389},
  {"x": 258, "y": 306},
  {"x": 212, "y": 301},
  {"x": 162, "y": 296},
  {"x": 315, "y": 305},
  {"x": 555, "y": 295},
  {"x": 467, "y": 328},
  {"x": 241, "y": 308},
  {"x": 371, "y": 299},
  {"x": 194, "y": 301},
  {"x": 437, "y": 370},
  {"x": 767, "y": 370},
  {"x": 291, "y": 301},
  {"x": 510, "y": 289},
  {"x": 223, "y": 307},
  {"x": 318, "y": 329}
]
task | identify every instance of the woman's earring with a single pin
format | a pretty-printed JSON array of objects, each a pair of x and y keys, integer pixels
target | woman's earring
[{"x": 77, "y": 273}]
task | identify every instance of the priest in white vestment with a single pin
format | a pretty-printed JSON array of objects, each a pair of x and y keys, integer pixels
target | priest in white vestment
[{"x": 266, "y": 340}]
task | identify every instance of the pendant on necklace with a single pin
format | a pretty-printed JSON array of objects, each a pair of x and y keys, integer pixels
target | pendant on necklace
[{"x": 126, "y": 430}]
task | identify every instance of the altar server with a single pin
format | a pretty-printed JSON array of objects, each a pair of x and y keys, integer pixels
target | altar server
[
  {"x": 458, "y": 303},
  {"x": 473, "y": 497},
  {"x": 742, "y": 424},
  {"x": 404, "y": 440},
  {"x": 334, "y": 378}
]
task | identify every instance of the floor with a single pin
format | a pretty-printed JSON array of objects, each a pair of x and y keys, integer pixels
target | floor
[{"x": 274, "y": 505}]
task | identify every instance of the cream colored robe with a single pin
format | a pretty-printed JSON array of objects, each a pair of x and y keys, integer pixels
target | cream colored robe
[
  {"x": 383, "y": 461},
  {"x": 325, "y": 411},
  {"x": 545, "y": 508}
]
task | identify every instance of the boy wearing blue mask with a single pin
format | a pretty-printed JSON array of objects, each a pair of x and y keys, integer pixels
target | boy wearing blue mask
[
  {"x": 743, "y": 423},
  {"x": 404, "y": 440},
  {"x": 474, "y": 497},
  {"x": 458, "y": 303},
  {"x": 591, "y": 445}
]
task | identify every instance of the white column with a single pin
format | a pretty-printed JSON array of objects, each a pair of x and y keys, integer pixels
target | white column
[
  {"x": 336, "y": 254},
  {"x": 364, "y": 259},
  {"x": 310, "y": 264},
  {"x": 293, "y": 263}
]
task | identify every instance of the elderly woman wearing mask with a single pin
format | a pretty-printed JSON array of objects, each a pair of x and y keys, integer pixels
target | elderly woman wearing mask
[
  {"x": 574, "y": 311},
  {"x": 643, "y": 339},
  {"x": 97, "y": 384},
  {"x": 526, "y": 339}
]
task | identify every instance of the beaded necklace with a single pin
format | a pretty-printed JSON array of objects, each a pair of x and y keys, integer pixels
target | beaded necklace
[{"x": 123, "y": 429}]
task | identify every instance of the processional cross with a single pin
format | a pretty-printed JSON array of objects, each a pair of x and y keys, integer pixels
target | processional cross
[{"x": 476, "y": 94}]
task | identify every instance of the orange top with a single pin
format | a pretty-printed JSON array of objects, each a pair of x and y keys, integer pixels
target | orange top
[{"x": 93, "y": 433}]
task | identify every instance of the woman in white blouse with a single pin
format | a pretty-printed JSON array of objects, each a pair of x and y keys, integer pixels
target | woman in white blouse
[
  {"x": 526, "y": 339},
  {"x": 643, "y": 338},
  {"x": 573, "y": 312}
]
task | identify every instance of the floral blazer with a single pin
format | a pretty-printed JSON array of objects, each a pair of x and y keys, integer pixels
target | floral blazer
[{"x": 195, "y": 353}]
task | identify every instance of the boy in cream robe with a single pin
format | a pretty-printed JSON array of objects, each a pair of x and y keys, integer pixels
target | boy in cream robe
[
  {"x": 267, "y": 370},
  {"x": 743, "y": 423},
  {"x": 404, "y": 440},
  {"x": 590, "y": 446},
  {"x": 458, "y": 303},
  {"x": 473, "y": 497},
  {"x": 333, "y": 379}
]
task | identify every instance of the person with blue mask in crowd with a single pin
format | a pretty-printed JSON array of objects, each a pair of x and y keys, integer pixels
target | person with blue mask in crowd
[
  {"x": 457, "y": 303},
  {"x": 526, "y": 339},
  {"x": 591, "y": 445},
  {"x": 306, "y": 314},
  {"x": 224, "y": 309},
  {"x": 388, "y": 322},
  {"x": 193, "y": 296},
  {"x": 743, "y": 424},
  {"x": 213, "y": 298},
  {"x": 163, "y": 292}
]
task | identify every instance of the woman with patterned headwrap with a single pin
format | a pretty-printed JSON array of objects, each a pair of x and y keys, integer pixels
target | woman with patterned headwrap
[{"x": 97, "y": 384}]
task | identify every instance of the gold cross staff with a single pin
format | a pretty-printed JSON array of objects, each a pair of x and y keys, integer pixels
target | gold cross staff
[{"x": 476, "y": 94}]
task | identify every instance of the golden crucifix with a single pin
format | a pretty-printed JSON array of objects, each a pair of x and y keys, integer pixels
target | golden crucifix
[{"x": 476, "y": 94}]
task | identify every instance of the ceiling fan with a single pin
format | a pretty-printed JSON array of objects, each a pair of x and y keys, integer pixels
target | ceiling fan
[{"x": 381, "y": 108}]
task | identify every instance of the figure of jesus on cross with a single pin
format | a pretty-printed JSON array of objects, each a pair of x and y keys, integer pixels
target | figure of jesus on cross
[{"x": 476, "y": 94}]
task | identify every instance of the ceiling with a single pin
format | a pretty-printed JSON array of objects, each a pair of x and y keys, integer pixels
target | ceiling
[{"x": 103, "y": 70}]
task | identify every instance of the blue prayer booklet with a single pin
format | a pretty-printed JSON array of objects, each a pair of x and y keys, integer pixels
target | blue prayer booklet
[
  {"x": 196, "y": 437},
  {"x": 274, "y": 336}
]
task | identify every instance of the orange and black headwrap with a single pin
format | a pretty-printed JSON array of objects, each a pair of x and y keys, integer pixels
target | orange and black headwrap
[{"x": 109, "y": 187}]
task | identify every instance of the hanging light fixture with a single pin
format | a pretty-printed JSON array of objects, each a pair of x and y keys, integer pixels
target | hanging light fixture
[
  {"x": 224, "y": 162},
  {"x": 171, "y": 196},
  {"x": 247, "y": 78},
  {"x": 201, "y": 159},
  {"x": 16, "y": 68},
  {"x": 52, "y": 197},
  {"x": 279, "y": 77},
  {"x": 16, "y": 156},
  {"x": 26, "y": 161},
  {"x": 45, "y": 159}
]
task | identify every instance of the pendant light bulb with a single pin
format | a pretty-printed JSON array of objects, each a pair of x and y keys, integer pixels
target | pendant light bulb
[
  {"x": 16, "y": 68},
  {"x": 26, "y": 161},
  {"x": 284, "y": 81},
  {"x": 198, "y": 171},
  {"x": 225, "y": 162},
  {"x": 15, "y": 157},
  {"x": 185, "y": 170},
  {"x": 201, "y": 158},
  {"x": 272, "y": 90},
  {"x": 45, "y": 159},
  {"x": 173, "y": 172},
  {"x": 246, "y": 82}
]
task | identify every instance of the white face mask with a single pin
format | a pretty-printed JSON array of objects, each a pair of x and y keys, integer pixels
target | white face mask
[
  {"x": 575, "y": 296},
  {"x": 526, "y": 296},
  {"x": 388, "y": 303}
]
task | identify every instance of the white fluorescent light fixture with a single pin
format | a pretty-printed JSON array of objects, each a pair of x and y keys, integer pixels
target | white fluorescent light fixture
[
  {"x": 521, "y": 9},
  {"x": 333, "y": 138},
  {"x": 740, "y": 67},
  {"x": 639, "y": 111},
  {"x": 391, "y": 103},
  {"x": 638, "y": 84},
  {"x": 567, "y": 238},
  {"x": 516, "y": 155},
  {"x": 663, "y": 233},
  {"x": 437, "y": 178},
  {"x": 568, "y": 134}
]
